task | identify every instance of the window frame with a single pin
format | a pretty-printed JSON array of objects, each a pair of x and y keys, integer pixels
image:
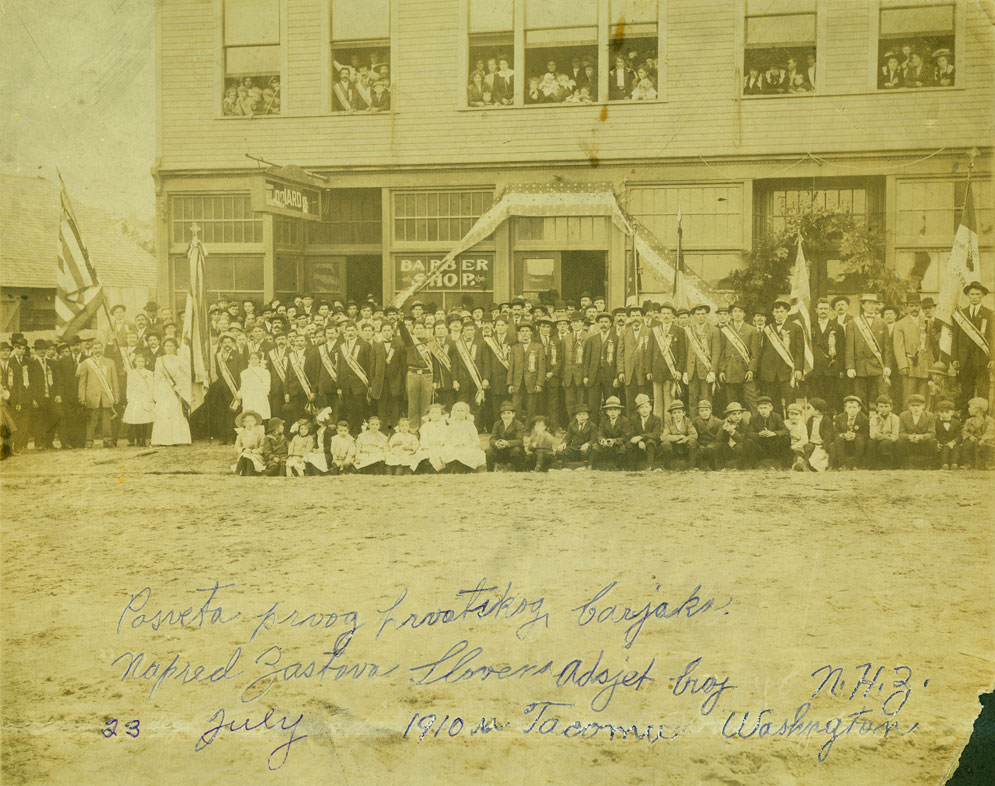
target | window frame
[
  {"x": 328, "y": 69},
  {"x": 221, "y": 70},
  {"x": 818, "y": 45},
  {"x": 959, "y": 34},
  {"x": 428, "y": 244},
  {"x": 233, "y": 247}
]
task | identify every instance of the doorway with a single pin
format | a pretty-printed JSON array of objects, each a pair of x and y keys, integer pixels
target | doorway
[
  {"x": 583, "y": 272},
  {"x": 364, "y": 278}
]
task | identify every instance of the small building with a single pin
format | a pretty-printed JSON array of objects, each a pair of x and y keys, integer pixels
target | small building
[{"x": 30, "y": 212}]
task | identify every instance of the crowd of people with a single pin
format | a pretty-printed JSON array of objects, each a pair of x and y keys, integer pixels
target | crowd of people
[
  {"x": 779, "y": 76},
  {"x": 907, "y": 67},
  {"x": 248, "y": 96},
  {"x": 362, "y": 85},
  {"x": 325, "y": 387}
]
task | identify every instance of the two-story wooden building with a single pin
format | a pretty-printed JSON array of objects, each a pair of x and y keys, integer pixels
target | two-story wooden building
[{"x": 397, "y": 123}]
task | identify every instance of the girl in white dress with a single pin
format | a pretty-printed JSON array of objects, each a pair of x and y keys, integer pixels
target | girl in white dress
[
  {"x": 462, "y": 450},
  {"x": 254, "y": 387},
  {"x": 140, "y": 410},
  {"x": 170, "y": 384}
]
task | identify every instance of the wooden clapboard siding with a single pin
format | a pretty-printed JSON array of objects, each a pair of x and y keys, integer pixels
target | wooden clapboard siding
[{"x": 703, "y": 113}]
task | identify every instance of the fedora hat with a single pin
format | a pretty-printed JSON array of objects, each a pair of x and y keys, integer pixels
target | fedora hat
[{"x": 612, "y": 402}]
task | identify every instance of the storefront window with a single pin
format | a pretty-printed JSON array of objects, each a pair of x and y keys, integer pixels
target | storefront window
[
  {"x": 427, "y": 216},
  {"x": 225, "y": 275},
  {"x": 780, "y": 55},
  {"x": 360, "y": 55},
  {"x": 252, "y": 58},
  {"x": 351, "y": 217},
  {"x": 916, "y": 47},
  {"x": 222, "y": 218}
]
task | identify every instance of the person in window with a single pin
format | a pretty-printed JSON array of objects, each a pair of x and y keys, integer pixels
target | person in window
[
  {"x": 905, "y": 61},
  {"x": 810, "y": 68},
  {"x": 775, "y": 79},
  {"x": 799, "y": 85},
  {"x": 343, "y": 93},
  {"x": 590, "y": 79},
  {"x": 943, "y": 72},
  {"x": 581, "y": 96},
  {"x": 644, "y": 89},
  {"x": 754, "y": 83},
  {"x": 270, "y": 102},
  {"x": 916, "y": 75},
  {"x": 229, "y": 106},
  {"x": 548, "y": 89},
  {"x": 791, "y": 70},
  {"x": 490, "y": 75},
  {"x": 891, "y": 72},
  {"x": 382, "y": 70},
  {"x": 475, "y": 90},
  {"x": 565, "y": 87},
  {"x": 621, "y": 80},
  {"x": 362, "y": 81},
  {"x": 487, "y": 98},
  {"x": 504, "y": 83},
  {"x": 478, "y": 65},
  {"x": 533, "y": 96},
  {"x": 576, "y": 71},
  {"x": 651, "y": 66},
  {"x": 381, "y": 97}
]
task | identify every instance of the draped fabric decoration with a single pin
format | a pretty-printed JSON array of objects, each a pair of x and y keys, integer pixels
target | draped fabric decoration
[{"x": 960, "y": 270}]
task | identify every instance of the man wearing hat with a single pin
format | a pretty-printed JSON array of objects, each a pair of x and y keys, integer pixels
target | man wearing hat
[
  {"x": 45, "y": 389},
  {"x": 222, "y": 394},
  {"x": 634, "y": 361},
  {"x": 890, "y": 75},
  {"x": 98, "y": 392},
  {"x": 526, "y": 373},
  {"x": 22, "y": 401},
  {"x": 572, "y": 374},
  {"x": 8, "y": 400},
  {"x": 913, "y": 350},
  {"x": 552, "y": 389},
  {"x": 739, "y": 355},
  {"x": 866, "y": 352},
  {"x": 668, "y": 359},
  {"x": 771, "y": 435},
  {"x": 466, "y": 353},
  {"x": 506, "y": 444},
  {"x": 851, "y": 429},
  {"x": 703, "y": 349},
  {"x": 644, "y": 435},
  {"x": 613, "y": 435},
  {"x": 600, "y": 366},
  {"x": 974, "y": 336},
  {"x": 735, "y": 444},
  {"x": 781, "y": 357},
  {"x": 828, "y": 344},
  {"x": 917, "y": 435},
  {"x": 680, "y": 438}
]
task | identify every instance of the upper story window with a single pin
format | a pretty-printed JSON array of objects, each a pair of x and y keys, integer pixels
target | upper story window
[
  {"x": 633, "y": 53},
  {"x": 360, "y": 55},
  {"x": 252, "y": 58},
  {"x": 561, "y": 52},
  {"x": 916, "y": 47},
  {"x": 780, "y": 52},
  {"x": 491, "y": 81}
]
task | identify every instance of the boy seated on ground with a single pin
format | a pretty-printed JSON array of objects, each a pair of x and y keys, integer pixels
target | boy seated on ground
[
  {"x": 709, "y": 431},
  {"x": 851, "y": 429},
  {"x": 371, "y": 448},
  {"x": 539, "y": 446},
  {"x": 819, "y": 430},
  {"x": 978, "y": 434},
  {"x": 275, "y": 448},
  {"x": 679, "y": 443},
  {"x": 505, "y": 447},
  {"x": 736, "y": 446},
  {"x": 773, "y": 443},
  {"x": 917, "y": 435},
  {"x": 575, "y": 451},
  {"x": 641, "y": 448},
  {"x": 884, "y": 431},
  {"x": 948, "y": 435},
  {"x": 798, "y": 438},
  {"x": 609, "y": 451},
  {"x": 342, "y": 450}
]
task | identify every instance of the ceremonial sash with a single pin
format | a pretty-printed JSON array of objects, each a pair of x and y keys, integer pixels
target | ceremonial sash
[
  {"x": 667, "y": 352},
  {"x": 965, "y": 323},
  {"x": 301, "y": 375},
  {"x": 441, "y": 356},
  {"x": 872, "y": 344},
  {"x": 467, "y": 359},
  {"x": 341, "y": 95},
  {"x": 426, "y": 356},
  {"x": 46, "y": 373},
  {"x": 498, "y": 349},
  {"x": 552, "y": 352},
  {"x": 782, "y": 351},
  {"x": 354, "y": 365},
  {"x": 226, "y": 375},
  {"x": 737, "y": 343},
  {"x": 184, "y": 406},
  {"x": 698, "y": 348},
  {"x": 278, "y": 364},
  {"x": 101, "y": 377},
  {"x": 388, "y": 352},
  {"x": 326, "y": 361}
]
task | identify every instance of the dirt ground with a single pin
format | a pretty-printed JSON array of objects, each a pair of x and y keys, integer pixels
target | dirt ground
[{"x": 866, "y": 596}]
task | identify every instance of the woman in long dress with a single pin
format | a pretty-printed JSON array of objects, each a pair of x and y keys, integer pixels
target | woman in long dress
[
  {"x": 172, "y": 372},
  {"x": 254, "y": 387}
]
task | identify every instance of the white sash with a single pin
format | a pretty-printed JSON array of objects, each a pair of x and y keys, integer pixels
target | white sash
[
  {"x": 498, "y": 349},
  {"x": 737, "y": 342},
  {"x": 965, "y": 323},
  {"x": 666, "y": 351},
  {"x": 441, "y": 356},
  {"x": 101, "y": 377},
  {"x": 354, "y": 365},
  {"x": 326, "y": 361},
  {"x": 229, "y": 381},
  {"x": 698, "y": 348},
  {"x": 775, "y": 341},
  {"x": 465, "y": 356},
  {"x": 301, "y": 375},
  {"x": 869, "y": 339},
  {"x": 281, "y": 369}
]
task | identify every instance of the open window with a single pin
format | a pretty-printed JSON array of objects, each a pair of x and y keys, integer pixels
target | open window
[
  {"x": 561, "y": 49},
  {"x": 252, "y": 58},
  {"x": 632, "y": 53},
  {"x": 780, "y": 53},
  {"x": 916, "y": 47},
  {"x": 360, "y": 52},
  {"x": 491, "y": 78}
]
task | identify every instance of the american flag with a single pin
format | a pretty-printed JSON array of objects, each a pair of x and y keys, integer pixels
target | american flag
[
  {"x": 801, "y": 305},
  {"x": 960, "y": 270},
  {"x": 78, "y": 292}
]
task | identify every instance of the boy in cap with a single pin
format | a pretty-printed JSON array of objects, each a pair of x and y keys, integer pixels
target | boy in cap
[
  {"x": 948, "y": 435},
  {"x": 917, "y": 435},
  {"x": 884, "y": 431},
  {"x": 526, "y": 372},
  {"x": 819, "y": 433},
  {"x": 539, "y": 447},
  {"x": 609, "y": 451},
  {"x": 680, "y": 438},
  {"x": 735, "y": 441},
  {"x": 798, "y": 437},
  {"x": 850, "y": 431},
  {"x": 978, "y": 435},
  {"x": 773, "y": 442},
  {"x": 644, "y": 435},
  {"x": 581, "y": 436},
  {"x": 866, "y": 352},
  {"x": 507, "y": 440},
  {"x": 709, "y": 431}
]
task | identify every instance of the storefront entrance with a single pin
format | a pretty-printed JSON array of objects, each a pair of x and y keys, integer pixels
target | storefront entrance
[
  {"x": 364, "y": 277},
  {"x": 583, "y": 272},
  {"x": 560, "y": 275}
]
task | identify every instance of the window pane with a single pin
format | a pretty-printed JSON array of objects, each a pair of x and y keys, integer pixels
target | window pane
[
  {"x": 542, "y": 13},
  {"x": 252, "y": 22},
  {"x": 633, "y": 11},
  {"x": 931, "y": 19},
  {"x": 538, "y": 274},
  {"x": 359, "y": 19},
  {"x": 488, "y": 16},
  {"x": 253, "y": 61},
  {"x": 248, "y": 272},
  {"x": 217, "y": 272},
  {"x": 564, "y": 36},
  {"x": 799, "y": 28}
]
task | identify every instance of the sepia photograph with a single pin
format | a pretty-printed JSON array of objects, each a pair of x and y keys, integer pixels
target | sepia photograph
[{"x": 408, "y": 392}]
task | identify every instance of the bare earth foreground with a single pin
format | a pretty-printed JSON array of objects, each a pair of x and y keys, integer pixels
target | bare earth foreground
[{"x": 855, "y": 608}]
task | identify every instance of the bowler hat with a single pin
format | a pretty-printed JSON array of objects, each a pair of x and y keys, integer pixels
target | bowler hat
[
  {"x": 582, "y": 408},
  {"x": 603, "y": 315},
  {"x": 782, "y": 302},
  {"x": 41, "y": 343},
  {"x": 5, "y": 345},
  {"x": 669, "y": 307},
  {"x": 976, "y": 285},
  {"x": 884, "y": 399},
  {"x": 839, "y": 298},
  {"x": 701, "y": 307},
  {"x": 927, "y": 302}
]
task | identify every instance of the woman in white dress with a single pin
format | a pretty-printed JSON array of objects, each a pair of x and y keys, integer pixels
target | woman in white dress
[
  {"x": 253, "y": 390},
  {"x": 171, "y": 378}
]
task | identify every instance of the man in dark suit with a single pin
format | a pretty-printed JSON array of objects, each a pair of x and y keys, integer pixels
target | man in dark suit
[
  {"x": 327, "y": 371},
  {"x": 739, "y": 356},
  {"x": 302, "y": 376},
  {"x": 572, "y": 351},
  {"x": 620, "y": 80},
  {"x": 496, "y": 359},
  {"x": 703, "y": 348},
  {"x": 507, "y": 440},
  {"x": 668, "y": 359},
  {"x": 552, "y": 389},
  {"x": 354, "y": 364},
  {"x": 974, "y": 336},
  {"x": 395, "y": 368},
  {"x": 634, "y": 360},
  {"x": 600, "y": 368},
  {"x": 526, "y": 373},
  {"x": 866, "y": 358},
  {"x": 851, "y": 430},
  {"x": 466, "y": 352},
  {"x": 645, "y": 429},
  {"x": 828, "y": 345},
  {"x": 609, "y": 451},
  {"x": 771, "y": 435},
  {"x": 43, "y": 372},
  {"x": 276, "y": 362},
  {"x": 222, "y": 394}
]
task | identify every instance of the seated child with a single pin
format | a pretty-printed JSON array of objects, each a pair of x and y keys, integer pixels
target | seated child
[
  {"x": 138, "y": 413},
  {"x": 948, "y": 435},
  {"x": 341, "y": 456},
  {"x": 978, "y": 434},
  {"x": 609, "y": 451},
  {"x": 736, "y": 448},
  {"x": 249, "y": 444},
  {"x": 507, "y": 440},
  {"x": 709, "y": 430},
  {"x": 301, "y": 445},
  {"x": 773, "y": 443},
  {"x": 819, "y": 431},
  {"x": 850, "y": 436},
  {"x": 942, "y": 383},
  {"x": 679, "y": 443},
  {"x": 539, "y": 446},
  {"x": 644, "y": 436},
  {"x": 433, "y": 440},
  {"x": 403, "y": 450},
  {"x": 462, "y": 452},
  {"x": 316, "y": 461},
  {"x": 371, "y": 448},
  {"x": 917, "y": 435},
  {"x": 884, "y": 431},
  {"x": 275, "y": 447},
  {"x": 575, "y": 451},
  {"x": 798, "y": 436}
]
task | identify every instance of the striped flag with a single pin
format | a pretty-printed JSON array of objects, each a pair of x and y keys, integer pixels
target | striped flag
[
  {"x": 78, "y": 292},
  {"x": 196, "y": 331},
  {"x": 801, "y": 305},
  {"x": 960, "y": 270}
]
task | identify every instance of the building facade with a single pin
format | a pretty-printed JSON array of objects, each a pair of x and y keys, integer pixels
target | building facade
[{"x": 340, "y": 146}]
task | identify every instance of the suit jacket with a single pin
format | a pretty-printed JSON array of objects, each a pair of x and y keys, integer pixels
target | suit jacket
[
  {"x": 943, "y": 435},
  {"x": 572, "y": 350},
  {"x": 514, "y": 433},
  {"x": 12, "y": 380},
  {"x": 578, "y": 435},
  {"x": 395, "y": 368},
  {"x": 554, "y": 360},
  {"x": 460, "y": 372},
  {"x": 671, "y": 430},
  {"x": 616, "y": 93},
  {"x": 709, "y": 431},
  {"x": 599, "y": 358},
  {"x": 276, "y": 365},
  {"x": 494, "y": 370},
  {"x": 826, "y": 431},
  {"x": 617, "y": 430},
  {"x": 678, "y": 348},
  {"x": 731, "y": 362},
  {"x": 326, "y": 385},
  {"x": 236, "y": 364},
  {"x": 43, "y": 374},
  {"x": 773, "y": 422},
  {"x": 912, "y": 346},
  {"x": 650, "y": 432},
  {"x": 771, "y": 365},
  {"x": 378, "y": 366},
  {"x": 967, "y": 353},
  {"x": 528, "y": 367},
  {"x": 860, "y": 356},
  {"x": 861, "y": 425},
  {"x": 503, "y": 89},
  {"x": 828, "y": 348},
  {"x": 310, "y": 369},
  {"x": 712, "y": 347},
  {"x": 349, "y": 382},
  {"x": 634, "y": 354},
  {"x": 92, "y": 392},
  {"x": 926, "y": 424}
]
